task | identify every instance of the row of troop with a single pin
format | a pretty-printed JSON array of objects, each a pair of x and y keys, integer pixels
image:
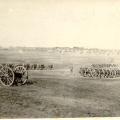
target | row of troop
[
  {"x": 31, "y": 66},
  {"x": 100, "y": 72},
  {"x": 104, "y": 65}
]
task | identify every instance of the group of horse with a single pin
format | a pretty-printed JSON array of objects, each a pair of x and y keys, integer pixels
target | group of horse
[
  {"x": 109, "y": 72},
  {"x": 31, "y": 66}
]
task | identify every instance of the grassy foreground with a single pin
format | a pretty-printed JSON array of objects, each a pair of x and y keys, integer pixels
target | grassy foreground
[{"x": 58, "y": 93}]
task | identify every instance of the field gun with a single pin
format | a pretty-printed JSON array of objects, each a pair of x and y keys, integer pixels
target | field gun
[
  {"x": 18, "y": 73},
  {"x": 13, "y": 74}
]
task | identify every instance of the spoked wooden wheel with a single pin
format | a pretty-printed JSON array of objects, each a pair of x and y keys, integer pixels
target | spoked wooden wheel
[
  {"x": 1, "y": 66},
  {"x": 7, "y": 76},
  {"x": 21, "y": 72}
]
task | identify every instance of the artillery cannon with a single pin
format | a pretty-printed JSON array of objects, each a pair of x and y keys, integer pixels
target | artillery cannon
[
  {"x": 10, "y": 75},
  {"x": 18, "y": 73}
]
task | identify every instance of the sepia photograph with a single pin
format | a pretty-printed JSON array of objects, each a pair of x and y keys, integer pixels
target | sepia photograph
[{"x": 59, "y": 58}]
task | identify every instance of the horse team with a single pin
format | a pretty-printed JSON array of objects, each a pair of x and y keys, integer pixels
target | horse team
[{"x": 31, "y": 66}]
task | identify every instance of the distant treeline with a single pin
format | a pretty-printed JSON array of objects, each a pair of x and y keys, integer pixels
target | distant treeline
[{"x": 81, "y": 50}]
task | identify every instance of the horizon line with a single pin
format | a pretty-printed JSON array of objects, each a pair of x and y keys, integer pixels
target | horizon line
[{"x": 59, "y": 47}]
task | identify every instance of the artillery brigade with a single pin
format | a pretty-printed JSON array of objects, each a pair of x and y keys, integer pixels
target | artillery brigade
[{"x": 13, "y": 74}]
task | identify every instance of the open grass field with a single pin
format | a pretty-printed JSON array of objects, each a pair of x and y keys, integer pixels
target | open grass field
[{"x": 58, "y": 92}]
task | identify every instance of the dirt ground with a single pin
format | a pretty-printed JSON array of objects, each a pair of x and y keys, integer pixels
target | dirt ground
[{"x": 58, "y": 93}]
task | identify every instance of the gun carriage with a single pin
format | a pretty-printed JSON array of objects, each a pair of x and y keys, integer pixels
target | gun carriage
[{"x": 10, "y": 74}]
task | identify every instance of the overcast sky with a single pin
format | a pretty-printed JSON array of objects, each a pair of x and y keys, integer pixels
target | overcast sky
[{"x": 49, "y": 23}]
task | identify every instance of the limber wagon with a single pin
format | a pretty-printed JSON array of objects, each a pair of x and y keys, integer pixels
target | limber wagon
[{"x": 10, "y": 75}]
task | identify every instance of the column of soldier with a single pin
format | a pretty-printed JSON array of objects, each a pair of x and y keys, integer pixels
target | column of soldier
[{"x": 100, "y": 72}]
